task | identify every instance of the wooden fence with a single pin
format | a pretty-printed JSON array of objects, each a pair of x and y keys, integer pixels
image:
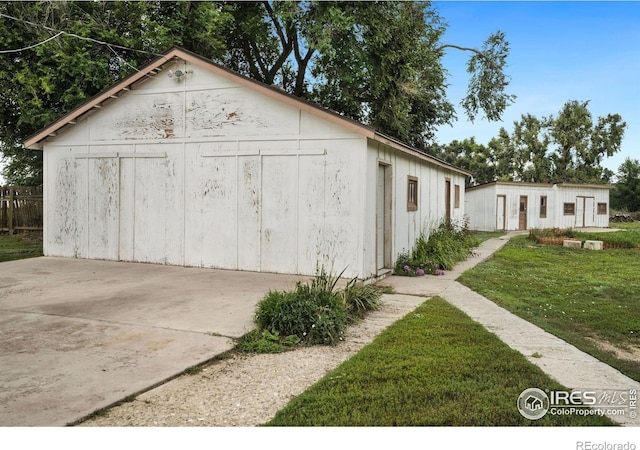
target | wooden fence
[{"x": 20, "y": 208}]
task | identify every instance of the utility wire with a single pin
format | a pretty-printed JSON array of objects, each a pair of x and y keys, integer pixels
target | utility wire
[
  {"x": 72, "y": 35},
  {"x": 32, "y": 46}
]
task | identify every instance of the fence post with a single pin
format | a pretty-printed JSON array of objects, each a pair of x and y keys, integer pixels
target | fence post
[{"x": 10, "y": 210}]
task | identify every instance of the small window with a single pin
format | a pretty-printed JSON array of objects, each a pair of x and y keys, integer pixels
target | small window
[
  {"x": 543, "y": 206},
  {"x": 569, "y": 209},
  {"x": 456, "y": 201},
  {"x": 412, "y": 194},
  {"x": 602, "y": 208}
]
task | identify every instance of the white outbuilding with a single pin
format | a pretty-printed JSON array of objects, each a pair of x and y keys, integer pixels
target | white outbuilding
[
  {"x": 187, "y": 163},
  {"x": 505, "y": 205}
]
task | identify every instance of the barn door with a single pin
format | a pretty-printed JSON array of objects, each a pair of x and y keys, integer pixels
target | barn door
[
  {"x": 103, "y": 208},
  {"x": 383, "y": 217},
  {"x": 522, "y": 213},
  {"x": 501, "y": 203}
]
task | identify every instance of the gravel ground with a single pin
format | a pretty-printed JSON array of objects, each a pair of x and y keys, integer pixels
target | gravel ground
[{"x": 248, "y": 390}]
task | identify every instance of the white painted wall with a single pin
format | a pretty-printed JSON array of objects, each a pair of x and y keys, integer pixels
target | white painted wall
[
  {"x": 482, "y": 201},
  {"x": 206, "y": 173},
  {"x": 407, "y": 225}
]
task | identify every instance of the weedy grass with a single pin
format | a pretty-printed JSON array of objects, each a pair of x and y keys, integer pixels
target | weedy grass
[
  {"x": 591, "y": 299},
  {"x": 14, "y": 247},
  {"x": 435, "y": 366}
]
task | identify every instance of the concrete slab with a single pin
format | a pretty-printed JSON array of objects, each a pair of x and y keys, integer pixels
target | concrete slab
[{"x": 79, "y": 335}]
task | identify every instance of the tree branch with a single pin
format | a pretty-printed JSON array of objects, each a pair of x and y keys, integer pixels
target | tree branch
[{"x": 469, "y": 49}]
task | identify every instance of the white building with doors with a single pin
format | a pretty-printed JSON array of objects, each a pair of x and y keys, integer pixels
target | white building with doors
[
  {"x": 187, "y": 163},
  {"x": 505, "y": 205}
]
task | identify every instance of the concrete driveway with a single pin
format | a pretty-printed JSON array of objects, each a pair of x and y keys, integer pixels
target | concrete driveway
[{"x": 78, "y": 335}]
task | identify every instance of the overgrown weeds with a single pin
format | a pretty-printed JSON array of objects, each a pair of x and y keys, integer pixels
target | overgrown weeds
[
  {"x": 316, "y": 312},
  {"x": 438, "y": 250}
]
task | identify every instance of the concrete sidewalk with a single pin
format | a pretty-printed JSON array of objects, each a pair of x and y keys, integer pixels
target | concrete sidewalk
[{"x": 571, "y": 367}]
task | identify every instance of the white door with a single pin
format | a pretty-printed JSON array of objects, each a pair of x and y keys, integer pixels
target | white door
[
  {"x": 589, "y": 212},
  {"x": 500, "y": 212},
  {"x": 580, "y": 212}
]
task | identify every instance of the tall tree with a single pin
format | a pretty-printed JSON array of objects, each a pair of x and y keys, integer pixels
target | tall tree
[
  {"x": 41, "y": 83},
  {"x": 476, "y": 158},
  {"x": 626, "y": 194},
  {"x": 376, "y": 62},
  {"x": 567, "y": 148},
  {"x": 582, "y": 144}
]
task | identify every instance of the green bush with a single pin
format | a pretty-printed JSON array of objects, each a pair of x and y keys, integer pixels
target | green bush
[
  {"x": 441, "y": 249},
  {"x": 312, "y": 313}
]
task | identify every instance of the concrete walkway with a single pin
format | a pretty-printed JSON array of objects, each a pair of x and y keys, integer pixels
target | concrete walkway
[{"x": 571, "y": 367}]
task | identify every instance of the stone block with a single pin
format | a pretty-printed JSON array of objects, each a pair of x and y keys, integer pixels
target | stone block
[
  {"x": 572, "y": 243},
  {"x": 593, "y": 245}
]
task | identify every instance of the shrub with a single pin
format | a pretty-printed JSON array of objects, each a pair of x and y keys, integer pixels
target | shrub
[
  {"x": 441, "y": 249},
  {"x": 314, "y": 313}
]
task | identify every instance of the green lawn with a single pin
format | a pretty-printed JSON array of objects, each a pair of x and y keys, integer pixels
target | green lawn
[
  {"x": 588, "y": 298},
  {"x": 435, "y": 366},
  {"x": 19, "y": 247}
]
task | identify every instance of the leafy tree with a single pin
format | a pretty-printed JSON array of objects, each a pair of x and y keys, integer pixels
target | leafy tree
[
  {"x": 40, "y": 84},
  {"x": 376, "y": 62},
  {"x": 476, "y": 158},
  {"x": 581, "y": 144},
  {"x": 626, "y": 194},
  {"x": 569, "y": 147}
]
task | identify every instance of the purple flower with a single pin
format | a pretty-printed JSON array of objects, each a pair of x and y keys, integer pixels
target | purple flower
[
  {"x": 439, "y": 272},
  {"x": 407, "y": 268},
  {"x": 419, "y": 272}
]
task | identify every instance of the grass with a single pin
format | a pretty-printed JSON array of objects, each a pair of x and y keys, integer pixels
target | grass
[
  {"x": 14, "y": 247},
  {"x": 591, "y": 299},
  {"x": 435, "y": 366}
]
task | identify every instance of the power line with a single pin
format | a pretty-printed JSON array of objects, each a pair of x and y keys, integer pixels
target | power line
[
  {"x": 72, "y": 35},
  {"x": 32, "y": 46}
]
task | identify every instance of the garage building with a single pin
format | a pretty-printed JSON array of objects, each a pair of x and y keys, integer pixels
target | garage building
[{"x": 187, "y": 163}]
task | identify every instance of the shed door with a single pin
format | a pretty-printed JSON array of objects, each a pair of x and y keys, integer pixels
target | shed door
[
  {"x": 447, "y": 199},
  {"x": 383, "y": 217},
  {"x": 585, "y": 212},
  {"x": 589, "y": 212},
  {"x": 579, "y": 212},
  {"x": 522, "y": 216},
  {"x": 500, "y": 212}
]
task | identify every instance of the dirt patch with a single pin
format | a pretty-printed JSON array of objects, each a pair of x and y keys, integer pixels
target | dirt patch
[{"x": 630, "y": 353}]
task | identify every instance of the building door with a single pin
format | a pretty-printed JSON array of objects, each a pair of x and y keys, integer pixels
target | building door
[
  {"x": 585, "y": 212},
  {"x": 447, "y": 199},
  {"x": 589, "y": 211},
  {"x": 383, "y": 217},
  {"x": 501, "y": 217},
  {"x": 522, "y": 216},
  {"x": 579, "y": 212}
]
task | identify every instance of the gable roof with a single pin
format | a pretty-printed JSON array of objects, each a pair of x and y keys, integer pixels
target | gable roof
[{"x": 36, "y": 141}]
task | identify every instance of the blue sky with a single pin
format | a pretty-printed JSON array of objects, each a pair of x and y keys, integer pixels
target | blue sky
[{"x": 560, "y": 51}]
